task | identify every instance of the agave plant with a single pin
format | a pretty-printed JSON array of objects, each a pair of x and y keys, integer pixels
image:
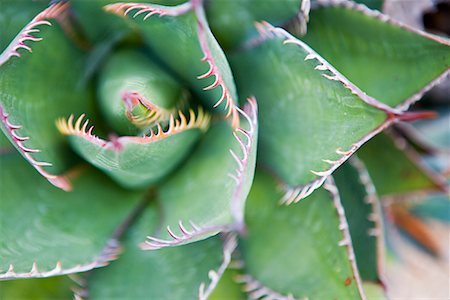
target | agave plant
[{"x": 222, "y": 158}]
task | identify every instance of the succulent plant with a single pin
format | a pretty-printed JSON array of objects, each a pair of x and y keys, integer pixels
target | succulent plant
[{"x": 222, "y": 161}]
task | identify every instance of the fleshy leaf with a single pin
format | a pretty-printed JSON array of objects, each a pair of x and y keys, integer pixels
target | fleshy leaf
[
  {"x": 14, "y": 15},
  {"x": 379, "y": 65},
  {"x": 310, "y": 246},
  {"x": 202, "y": 63},
  {"x": 232, "y": 31},
  {"x": 405, "y": 173},
  {"x": 222, "y": 168},
  {"x": 137, "y": 161},
  {"x": 228, "y": 288},
  {"x": 363, "y": 212},
  {"x": 28, "y": 107},
  {"x": 47, "y": 232},
  {"x": 312, "y": 118},
  {"x": 129, "y": 81},
  {"x": 37, "y": 289},
  {"x": 175, "y": 273}
]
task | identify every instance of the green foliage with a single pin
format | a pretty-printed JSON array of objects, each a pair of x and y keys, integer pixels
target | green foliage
[{"x": 160, "y": 200}]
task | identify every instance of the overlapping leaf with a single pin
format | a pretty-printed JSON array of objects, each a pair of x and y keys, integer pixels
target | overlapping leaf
[
  {"x": 405, "y": 173},
  {"x": 185, "y": 27},
  {"x": 175, "y": 273},
  {"x": 363, "y": 213},
  {"x": 46, "y": 231},
  {"x": 135, "y": 161},
  {"x": 208, "y": 193},
  {"x": 32, "y": 95},
  {"x": 300, "y": 249},
  {"x": 377, "y": 53},
  {"x": 312, "y": 118}
]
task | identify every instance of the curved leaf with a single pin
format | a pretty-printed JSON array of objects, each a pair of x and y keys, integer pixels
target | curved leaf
[
  {"x": 405, "y": 173},
  {"x": 14, "y": 15},
  {"x": 363, "y": 212},
  {"x": 312, "y": 118},
  {"x": 175, "y": 273},
  {"x": 202, "y": 63},
  {"x": 382, "y": 64},
  {"x": 208, "y": 193},
  {"x": 310, "y": 247},
  {"x": 129, "y": 81},
  {"x": 47, "y": 232},
  {"x": 137, "y": 161},
  {"x": 29, "y": 107}
]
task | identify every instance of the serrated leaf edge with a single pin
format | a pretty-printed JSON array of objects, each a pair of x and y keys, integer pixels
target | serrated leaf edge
[
  {"x": 256, "y": 290},
  {"x": 295, "y": 194},
  {"x": 387, "y": 19},
  {"x": 346, "y": 241},
  {"x": 153, "y": 243},
  {"x": 382, "y": 17},
  {"x": 199, "y": 121},
  {"x": 250, "y": 113},
  {"x": 154, "y": 114},
  {"x": 124, "y": 8},
  {"x": 29, "y": 31},
  {"x": 230, "y": 245},
  {"x": 213, "y": 70},
  {"x": 59, "y": 181},
  {"x": 375, "y": 216},
  {"x": 109, "y": 253}
]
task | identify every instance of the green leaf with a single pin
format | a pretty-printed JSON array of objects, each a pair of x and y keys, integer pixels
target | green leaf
[
  {"x": 300, "y": 249},
  {"x": 404, "y": 175},
  {"x": 222, "y": 182},
  {"x": 377, "y": 53},
  {"x": 174, "y": 273},
  {"x": 228, "y": 288},
  {"x": 311, "y": 119},
  {"x": 234, "y": 21},
  {"x": 46, "y": 231},
  {"x": 37, "y": 289},
  {"x": 134, "y": 161},
  {"x": 32, "y": 96},
  {"x": 130, "y": 74},
  {"x": 202, "y": 63},
  {"x": 363, "y": 212},
  {"x": 14, "y": 15}
]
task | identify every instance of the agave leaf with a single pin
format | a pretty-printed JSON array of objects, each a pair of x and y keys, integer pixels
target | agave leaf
[
  {"x": 228, "y": 288},
  {"x": 208, "y": 193},
  {"x": 312, "y": 118},
  {"x": 137, "y": 161},
  {"x": 405, "y": 174},
  {"x": 37, "y": 289},
  {"x": 379, "y": 65},
  {"x": 175, "y": 273},
  {"x": 14, "y": 15},
  {"x": 33, "y": 95},
  {"x": 310, "y": 246},
  {"x": 134, "y": 92},
  {"x": 201, "y": 63},
  {"x": 363, "y": 212},
  {"x": 46, "y": 231},
  {"x": 233, "y": 21}
]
